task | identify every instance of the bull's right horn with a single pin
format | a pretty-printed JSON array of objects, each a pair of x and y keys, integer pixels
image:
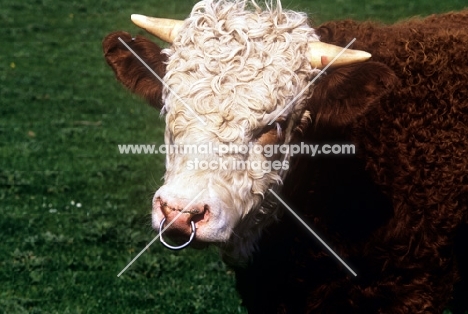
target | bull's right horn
[
  {"x": 164, "y": 29},
  {"x": 321, "y": 54}
]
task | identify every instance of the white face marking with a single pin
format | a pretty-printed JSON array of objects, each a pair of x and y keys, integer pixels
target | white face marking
[{"x": 236, "y": 70}]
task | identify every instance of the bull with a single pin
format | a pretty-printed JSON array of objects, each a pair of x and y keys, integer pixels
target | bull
[{"x": 238, "y": 75}]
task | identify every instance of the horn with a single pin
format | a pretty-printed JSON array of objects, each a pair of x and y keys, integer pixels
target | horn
[
  {"x": 165, "y": 29},
  {"x": 321, "y": 54}
]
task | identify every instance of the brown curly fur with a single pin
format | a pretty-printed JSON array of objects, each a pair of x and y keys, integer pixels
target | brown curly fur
[{"x": 396, "y": 213}]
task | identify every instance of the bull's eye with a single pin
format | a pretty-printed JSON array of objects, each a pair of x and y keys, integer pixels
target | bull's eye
[
  {"x": 278, "y": 126},
  {"x": 272, "y": 134}
]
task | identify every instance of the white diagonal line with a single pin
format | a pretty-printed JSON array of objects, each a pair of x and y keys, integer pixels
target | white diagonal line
[
  {"x": 312, "y": 231},
  {"x": 312, "y": 82},
  {"x": 157, "y": 76},
  {"x": 161, "y": 231}
]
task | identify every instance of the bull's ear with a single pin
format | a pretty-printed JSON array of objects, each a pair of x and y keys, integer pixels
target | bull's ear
[
  {"x": 348, "y": 92},
  {"x": 130, "y": 71}
]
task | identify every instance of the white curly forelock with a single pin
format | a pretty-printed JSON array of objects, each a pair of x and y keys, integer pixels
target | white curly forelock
[{"x": 236, "y": 68}]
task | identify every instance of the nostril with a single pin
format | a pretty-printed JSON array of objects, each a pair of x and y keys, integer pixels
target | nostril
[
  {"x": 165, "y": 208},
  {"x": 164, "y": 205},
  {"x": 201, "y": 215},
  {"x": 198, "y": 217}
]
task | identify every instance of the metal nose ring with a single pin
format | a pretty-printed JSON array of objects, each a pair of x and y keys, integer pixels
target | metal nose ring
[{"x": 192, "y": 235}]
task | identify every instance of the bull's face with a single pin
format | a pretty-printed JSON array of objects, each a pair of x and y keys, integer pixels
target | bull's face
[
  {"x": 234, "y": 81},
  {"x": 232, "y": 78}
]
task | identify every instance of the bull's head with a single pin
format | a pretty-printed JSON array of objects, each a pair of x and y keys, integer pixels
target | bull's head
[{"x": 238, "y": 78}]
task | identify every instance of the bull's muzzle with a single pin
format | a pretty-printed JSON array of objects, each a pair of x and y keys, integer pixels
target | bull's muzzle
[{"x": 179, "y": 247}]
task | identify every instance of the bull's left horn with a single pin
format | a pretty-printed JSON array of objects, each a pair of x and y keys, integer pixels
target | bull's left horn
[
  {"x": 321, "y": 54},
  {"x": 165, "y": 29}
]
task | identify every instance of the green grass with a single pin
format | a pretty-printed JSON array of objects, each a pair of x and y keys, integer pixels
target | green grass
[{"x": 62, "y": 115}]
